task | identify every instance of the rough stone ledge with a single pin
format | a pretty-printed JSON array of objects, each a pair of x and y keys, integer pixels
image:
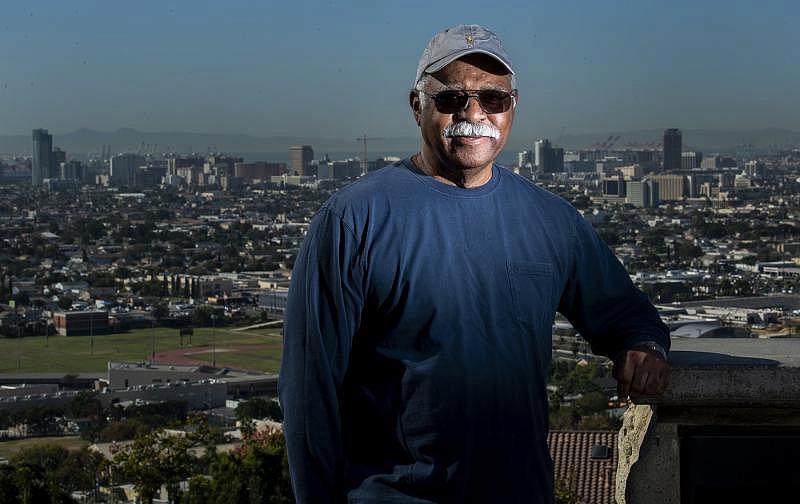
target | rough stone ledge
[
  {"x": 738, "y": 383},
  {"x": 742, "y": 372},
  {"x": 741, "y": 386}
]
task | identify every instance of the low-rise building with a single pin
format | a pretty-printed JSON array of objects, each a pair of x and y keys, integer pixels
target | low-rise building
[{"x": 81, "y": 323}]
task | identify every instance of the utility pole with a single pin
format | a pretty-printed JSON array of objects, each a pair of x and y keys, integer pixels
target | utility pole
[
  {"x": 213, "y": 340},
  {"x": 19, "y": 344},
  {"x": 91, "y": 333}
]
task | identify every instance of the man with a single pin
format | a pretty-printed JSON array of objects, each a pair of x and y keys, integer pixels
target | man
[{"x": 418, "y": 325}]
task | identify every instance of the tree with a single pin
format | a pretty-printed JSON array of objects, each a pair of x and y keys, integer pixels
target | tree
[
  {"x": 48, "y": 457},
  {"x": 257, "y": 472},
  {"x": 27, "y": 482},
  {"x": 39, "y": 420},
  {"x": 199, "y": 492},
  {"x": 154, "y": 460},
  {"x": 152, "y": 288},
  {"x": 81, "y": 470},
  {"x": 686, "y": 251},
  {"x": 63, "y": 470},
  {"x": 21, "y": 299},
  {"x": 257, "y": 408},
  {"x": 609, "y": 236},
  {"x": 121, "y": 430},
  {"x": 101, "y": 279},
  {"x": 65, "y": 302},
  {"x": 202, "y": 315},
  {"x": 85, "y": 404},
  {"x": 8, "y": 485},
  {"x": 160, "y": 311},
  {"x": 592, "y": 402},
  {"x": 565, "y": 491}
]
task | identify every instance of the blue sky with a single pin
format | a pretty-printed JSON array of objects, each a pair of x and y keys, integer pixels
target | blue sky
[{"x": 338, "y": 69}]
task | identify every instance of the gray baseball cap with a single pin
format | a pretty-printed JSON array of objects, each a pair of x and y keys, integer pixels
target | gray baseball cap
[{"x": 453, "y": 43}]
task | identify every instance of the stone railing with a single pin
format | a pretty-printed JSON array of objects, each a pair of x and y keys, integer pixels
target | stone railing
[{"x": 727, "y": 429}]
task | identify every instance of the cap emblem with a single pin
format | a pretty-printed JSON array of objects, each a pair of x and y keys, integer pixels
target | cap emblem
[{"x": 470, "y": 40}]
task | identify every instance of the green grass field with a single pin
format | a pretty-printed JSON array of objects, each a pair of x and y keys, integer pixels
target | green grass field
[
  {"x": 74, "y": 354},
  {"x": 9, "y": 448}
]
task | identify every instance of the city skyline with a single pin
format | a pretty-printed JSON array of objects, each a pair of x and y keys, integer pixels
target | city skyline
[{"x": 271, "y": 70}]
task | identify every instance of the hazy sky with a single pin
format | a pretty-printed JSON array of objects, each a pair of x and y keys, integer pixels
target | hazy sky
[{"x": 338, "y": 69}]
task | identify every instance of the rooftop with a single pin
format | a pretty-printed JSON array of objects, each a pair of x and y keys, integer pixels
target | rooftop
[{"x": 587, "y": 462}]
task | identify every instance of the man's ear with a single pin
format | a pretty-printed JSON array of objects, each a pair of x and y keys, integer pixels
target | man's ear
[{"x": 413, "y": 101}]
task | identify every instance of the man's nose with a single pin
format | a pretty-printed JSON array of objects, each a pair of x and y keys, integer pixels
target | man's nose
[{"x": 472, "y": 112}]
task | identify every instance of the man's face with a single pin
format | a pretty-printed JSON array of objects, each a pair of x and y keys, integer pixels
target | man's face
[{"x": 473, "y": 72}]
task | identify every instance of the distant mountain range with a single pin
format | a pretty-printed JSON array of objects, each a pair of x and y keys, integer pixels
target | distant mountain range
[{"x": 85, "y": 141}]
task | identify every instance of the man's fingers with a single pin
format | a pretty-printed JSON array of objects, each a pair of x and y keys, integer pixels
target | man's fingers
[
  {"x": 639, "y": 381},
  {"x": 639, "y": 372},
  {"x": 624, "y": 376},
  {"x": 655, "y": 384},
  {"x": 663, "y": 379}
]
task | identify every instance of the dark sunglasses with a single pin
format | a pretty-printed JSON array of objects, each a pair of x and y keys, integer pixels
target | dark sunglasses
[{"x": 492, "y": 101}]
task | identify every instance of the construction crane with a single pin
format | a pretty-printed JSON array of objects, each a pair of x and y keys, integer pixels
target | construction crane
[
  {"x": 363, "y": 139},
  {"x": 602, "y": 145}
]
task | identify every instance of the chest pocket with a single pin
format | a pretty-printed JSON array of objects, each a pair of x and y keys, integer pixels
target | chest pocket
[{"x": 531, "y": 291}]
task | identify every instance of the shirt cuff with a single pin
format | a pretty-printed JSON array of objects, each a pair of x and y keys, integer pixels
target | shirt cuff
[{"x": 654, "y": 346}]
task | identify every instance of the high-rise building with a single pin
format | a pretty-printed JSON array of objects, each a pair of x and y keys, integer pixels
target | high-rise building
[
  {"x": 672, "y": 149},
  {"x": 670, "y": 187},
  {"x": 614, "y": 186},
  {"x": 175, "y": 163},
  {"x": 754, "y": 169},
  {"x": 631, "y": 172},
  {"x": 123, "y": 169},
  {"x": 579, "y": 166},
  {"x": 524, "y": 158},
  {"x": 58, "y": 157},
  {"x": 642, "y": 193},
  {"x": 42, "y": 156},
  {"x": 538, "y": 147},
  {"x": 691, "y": 160},
  {"x": 638, "y": 193},
  {"x": 725, "y": 180},
  {"x": 695, "y": 182},
  {"x": 71, "y": 170},
  {"x": 258, "y": 170},
  {"x": 222, "y": 165},
  {"x": 546, "y": 158},
  {"x": 716, "y": 162},
  {"x": 301, "y": 157}
]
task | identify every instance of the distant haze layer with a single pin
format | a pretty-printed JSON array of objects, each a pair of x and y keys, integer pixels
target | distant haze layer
[{"x": 86, "y": 141}]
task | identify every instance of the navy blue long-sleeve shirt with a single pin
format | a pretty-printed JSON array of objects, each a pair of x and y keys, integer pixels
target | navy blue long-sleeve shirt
[{"x": 418, "y": 337}]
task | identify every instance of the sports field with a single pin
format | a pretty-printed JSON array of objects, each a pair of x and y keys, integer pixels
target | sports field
[
  {"x": 257, "y": 350},
  {"x": 9, "y": 448}
]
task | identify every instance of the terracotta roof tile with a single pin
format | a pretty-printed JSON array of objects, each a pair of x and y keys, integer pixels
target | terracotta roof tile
[{"x": 592, "y": 479}]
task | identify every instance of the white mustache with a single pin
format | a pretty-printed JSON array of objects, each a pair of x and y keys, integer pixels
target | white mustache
[{"x": 468, "y": 129}]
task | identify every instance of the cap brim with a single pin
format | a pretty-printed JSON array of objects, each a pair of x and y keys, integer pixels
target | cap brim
[{"x": 435, "y": 67}]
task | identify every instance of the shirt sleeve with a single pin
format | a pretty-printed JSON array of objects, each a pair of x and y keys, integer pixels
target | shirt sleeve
[
  {"x": 322, "y": 315},
  {"x": 600, "y": 300}
]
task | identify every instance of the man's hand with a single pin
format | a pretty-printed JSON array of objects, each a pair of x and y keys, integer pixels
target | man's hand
[{"x": 640, "y": 372}]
